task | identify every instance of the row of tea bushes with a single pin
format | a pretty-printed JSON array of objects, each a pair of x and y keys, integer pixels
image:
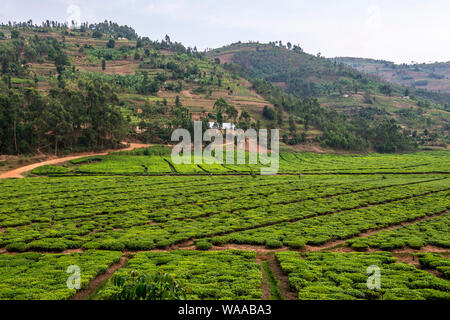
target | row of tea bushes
[
  {"x": 35, "y": 276},
  {"x": 211, "y": 275},
  {"x": 346, "y": 224},
  {"x": 435, "y": 261},
  {"x": 434, "y": 231},
  {"x": 345, "y": 276},
  {"x": 114, "y": 221}
]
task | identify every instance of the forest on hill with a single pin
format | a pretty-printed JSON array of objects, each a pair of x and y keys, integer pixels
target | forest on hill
[
  {"x": 354, "y": 105},
  {"x": 67, "y": 90},
  {"x": 89, "y": 88}
]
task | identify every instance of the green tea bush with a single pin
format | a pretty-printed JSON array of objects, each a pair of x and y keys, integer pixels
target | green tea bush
[
  {"x": 274, "y": 244},
  {"x": 203, "y": 245},
  {"x": 296, "y": 244},
  {"x": 360, "y": 246},
  {"x": 341, "y": 276},
  {"x": 206, "y": 275},
  {"x": 35, "y": 276},
  {"x": 49, "y": 170},
  {"x": 435, "y": 261}
]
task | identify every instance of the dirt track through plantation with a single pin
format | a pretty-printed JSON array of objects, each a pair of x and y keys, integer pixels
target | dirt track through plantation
[
  {"x": 17, "y": 173},
  {"x": 284, "y": 286},
  {"x": 265, "y": 286},
  {"x": 99, "y": 281}
]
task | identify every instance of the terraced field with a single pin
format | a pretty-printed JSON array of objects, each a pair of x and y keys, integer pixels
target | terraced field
[
  {"x": 138, "y": 164},
  {"x": 107, "y": 215}
]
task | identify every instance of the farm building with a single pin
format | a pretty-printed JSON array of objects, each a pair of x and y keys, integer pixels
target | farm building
[{"x": 225, "y": 126}]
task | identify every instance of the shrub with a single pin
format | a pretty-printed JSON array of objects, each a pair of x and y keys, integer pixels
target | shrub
[
  {"x": 203, "y": 245},
  {"x": 415, "y": 243},
  {"x": 217, "y": 241},
  {"x": 160, "y": 286},
  {"x": 54, "y": 245},
  {"x": 296, "y": 244},
  {"x": 140, "y": 245},
  {"x": 274, "y": 244},
  {"x": 48, "y": 169},
  {"x": 17, "y": 247},
  {"x": 108, "y": 244},
  {"x": 163, "y": 244},
  {"x": 359, "y": 246}
]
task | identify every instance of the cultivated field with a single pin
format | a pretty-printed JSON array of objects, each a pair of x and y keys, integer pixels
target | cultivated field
[{"x": 225, "y": 233}]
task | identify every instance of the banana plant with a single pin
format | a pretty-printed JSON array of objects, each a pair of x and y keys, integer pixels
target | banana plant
[{"x": 159, "y": 286}]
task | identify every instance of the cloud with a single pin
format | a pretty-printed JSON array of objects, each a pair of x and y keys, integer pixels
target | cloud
[
  {"x": 170, "y": 7},
  {"x": 74, "y": 13},
  {"x": 374, "y": 17}
]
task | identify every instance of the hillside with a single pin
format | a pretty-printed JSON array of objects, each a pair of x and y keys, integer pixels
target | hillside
[
  {"x": 150, "y": 87},
  {"x": 355, "y": 95},
  {"x": 90, "y": 88},
  {"x": 429, "y": 76}
]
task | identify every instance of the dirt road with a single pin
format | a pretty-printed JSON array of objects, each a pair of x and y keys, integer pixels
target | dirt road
[{"x": 17, "y": 173}]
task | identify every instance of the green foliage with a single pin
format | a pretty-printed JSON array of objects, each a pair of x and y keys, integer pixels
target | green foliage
[
  {"x": 301, "y": 74},
  {"x": 155, "y": 287},
  {"x": 35, "y": 276},
  {"x": 203, "y": 245},
  {"x": 296, "y": 244},
  {"x": 113, "y": 29},
  {"x": 273, "y": 244},
  {"x": 15, "y": 34},
  {"x": 111, "y": 44},
  {"x": 97, "y": 34},
  {"x": 160, "y": 161},
  {"x": 150, "y": 151},
  {"x": 433, "y": 232},
  {"x": 229, "y": 275},
  {"x": 345, "y": 224},
  {"x": 14, "y": 55},
  {"x": 389, "y": 138},
  {"x": 269, "y": 113},
  {"x": 435, "y": 261},
  {"x": 303, "y": 77},
  {"x": 139, "y": 212},
  {"x": 385, "y": 89},
  {"x": 60, "y": 120},
  {"x": 343, "y": 276},
  {"x": 50, "y": 170}
]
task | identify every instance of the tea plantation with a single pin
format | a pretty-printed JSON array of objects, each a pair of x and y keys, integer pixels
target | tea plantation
[{"x": 218, "y": 229}]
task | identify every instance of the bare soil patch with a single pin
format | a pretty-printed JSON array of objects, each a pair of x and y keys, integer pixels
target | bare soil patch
[
  {"x": 426, "y": 249},
  {"x": 188, "y": 94},
  {"x": 226, "y": 58},
  {"x": 309, "y": 148},
  {"x": 407, "y": 258},
  {"x": 258, "y": 249},
  {"x": 79, "y": 250}
]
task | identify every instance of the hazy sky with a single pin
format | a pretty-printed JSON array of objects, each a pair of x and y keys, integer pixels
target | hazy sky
[{"x": 396, "y": 30}]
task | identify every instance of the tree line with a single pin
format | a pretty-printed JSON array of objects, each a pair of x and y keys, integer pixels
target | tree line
[{"x": 85, "y": 118}]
